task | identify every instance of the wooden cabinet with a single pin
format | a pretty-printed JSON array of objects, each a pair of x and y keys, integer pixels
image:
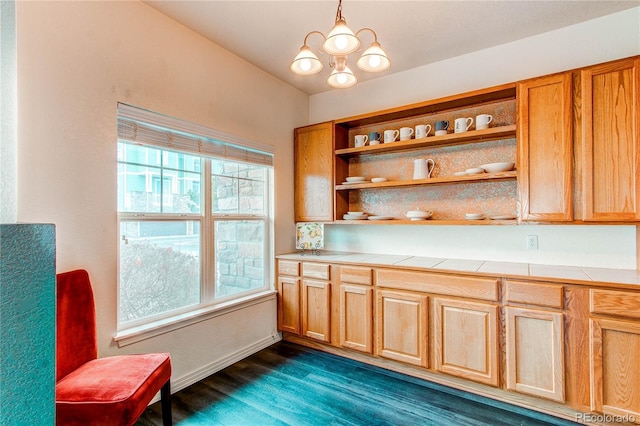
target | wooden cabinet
[
  {"x": 356, "y": 317},
  {"x": 316, "y": 309},
  {"x": 535, "y": 339},
  {"x": 466, "y": 339},
  {"x": 289, "y": 304},
  {"x": 545, "y": 148},
  {"x": 356, "y": 309},
  {"x": 611, "y": 141},
  {"x": 535, "y": 352},
  {"x": 313, "y": 173},
  {"x": 402, "y": 326},
  {"x": 615, "y": 352}
]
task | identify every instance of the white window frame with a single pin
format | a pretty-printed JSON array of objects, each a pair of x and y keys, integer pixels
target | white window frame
[{"x": 209, "y": 306}]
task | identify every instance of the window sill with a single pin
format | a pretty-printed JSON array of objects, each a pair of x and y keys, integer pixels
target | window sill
[{"x": 156, "y": 328}]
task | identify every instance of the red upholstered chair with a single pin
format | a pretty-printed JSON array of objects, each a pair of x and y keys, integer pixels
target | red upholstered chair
[{"x": 112, "y": 391}]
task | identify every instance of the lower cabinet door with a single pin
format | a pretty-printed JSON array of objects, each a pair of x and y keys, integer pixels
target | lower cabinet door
[
  {"x": 316, "y": 309},
  {"x": 615, "y": 367},
  {"x": 465, "y": 340},
  {"x": 535, "y": 352},
  {"x": 402, "y": 326},
  {"x": 356, "y": 317},
  {"x": 289, "y": 304}
]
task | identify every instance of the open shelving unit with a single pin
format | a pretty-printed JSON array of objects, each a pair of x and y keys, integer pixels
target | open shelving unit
[{"x": 353, "y": 161}]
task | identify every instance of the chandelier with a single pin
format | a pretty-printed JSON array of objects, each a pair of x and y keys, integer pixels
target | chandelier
[{"x": 341, "y": 42}]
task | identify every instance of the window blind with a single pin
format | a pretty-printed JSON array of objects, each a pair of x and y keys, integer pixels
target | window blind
[{"x": 144, "y": 127}]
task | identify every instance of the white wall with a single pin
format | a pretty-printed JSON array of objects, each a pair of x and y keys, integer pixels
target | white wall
[
  {"x": 76, "y": 60},
  {"x": 8, "y": 111},
  {"x": 600, "y": 40}
]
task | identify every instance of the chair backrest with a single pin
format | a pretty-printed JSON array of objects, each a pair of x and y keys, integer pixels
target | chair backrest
[{"x": 75, "y": 322}]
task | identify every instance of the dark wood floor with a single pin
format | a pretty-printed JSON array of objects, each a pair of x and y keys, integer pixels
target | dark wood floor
[{"x": 287, "y": 384}]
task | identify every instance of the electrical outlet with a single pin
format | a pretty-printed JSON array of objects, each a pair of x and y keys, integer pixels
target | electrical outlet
[{"x": 532, "y": 242}]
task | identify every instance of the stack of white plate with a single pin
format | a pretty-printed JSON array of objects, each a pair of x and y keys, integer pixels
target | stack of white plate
[
  {"x": 474, "y": 216},
  {"x": 355, "y": 216},
  {"x": 354, "y": 179}
]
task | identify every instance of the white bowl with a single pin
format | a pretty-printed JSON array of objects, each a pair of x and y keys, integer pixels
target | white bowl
[
  {"x": 474, "y": 171},
  {"x": 474, "y": 216},
  {"x": 497, "y": 167},
  {"x": 356, "y": 213},
  {"x": 355, "y": 179},
  {"x": 378, "y": 179},
  {"x": 418, "y": 214},
  {"x": 460, "y": 173}
]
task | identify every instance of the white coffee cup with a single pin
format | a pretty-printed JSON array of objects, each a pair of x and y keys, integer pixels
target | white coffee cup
[
  {"x": 391, "y": 135},
  {"x": 483, "y": 120},
  {"x": 462, "y": 124},
  {"x": 423, "y": 130},
  {"x": 361, "y": 140},
  {"x": 406, "y": 133}
]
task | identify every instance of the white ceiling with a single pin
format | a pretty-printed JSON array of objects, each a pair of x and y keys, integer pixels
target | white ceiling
[{"x": 269, "y": 34}]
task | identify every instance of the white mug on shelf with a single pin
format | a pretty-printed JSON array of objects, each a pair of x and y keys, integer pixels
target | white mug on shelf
[
  {"x": 406, "y": 133},
  {"x": 361, "y": 140},
  {"x": 391, "y": 135},
  {"x": 483, "y": 120},
  {"x": 423, "y": 130},
  {"x": 462, "y": 124}
]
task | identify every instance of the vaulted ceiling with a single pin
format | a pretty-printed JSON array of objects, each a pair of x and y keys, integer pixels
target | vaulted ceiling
[{"x": 269, "y": 34}]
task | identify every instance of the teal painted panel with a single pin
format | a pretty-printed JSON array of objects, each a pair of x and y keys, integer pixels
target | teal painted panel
[{"x": 27, "y": 324}]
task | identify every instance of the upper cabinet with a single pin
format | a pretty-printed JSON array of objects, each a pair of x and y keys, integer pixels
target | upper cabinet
[
  {"x": 610, "y": 130},
  {"x": 545, "y": 154},
  {"x": 313, "y": 172},
  {"x": 573, "y": 138}
]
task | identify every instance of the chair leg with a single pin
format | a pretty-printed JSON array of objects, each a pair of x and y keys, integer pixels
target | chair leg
[{"x": 165, "y": 402}]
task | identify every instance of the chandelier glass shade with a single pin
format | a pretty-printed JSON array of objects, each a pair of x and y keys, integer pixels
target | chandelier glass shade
[{"x": 338, "y": 44}]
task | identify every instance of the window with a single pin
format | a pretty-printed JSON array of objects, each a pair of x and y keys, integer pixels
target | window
[{"x": 195, "y": 218}]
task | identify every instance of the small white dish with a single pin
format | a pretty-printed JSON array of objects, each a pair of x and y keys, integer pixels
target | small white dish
[
  {"x": 352, "y": 183},
  {"x": 503, "y": 217},
  {"x": 356, "y": 213},
  {"x": 355, "y": 179},
  {"x": 378, "y": 179},
  {"x": 460, "y": 174},
  {"x": 380, "y": 217},
  {"x": 497, "y": 167},
  {"x": 354, "y": 217},
  {"x": 474, "y": 171},
  {"x": 418, "y": 214},
  {"x": 474, "y": 216}
]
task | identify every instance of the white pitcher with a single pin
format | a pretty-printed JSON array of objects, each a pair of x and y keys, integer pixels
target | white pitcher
[{"x": 422, "y": 169}]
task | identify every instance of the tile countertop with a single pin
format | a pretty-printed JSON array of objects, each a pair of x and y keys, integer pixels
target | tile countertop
[{"x": 566, "y": 274}]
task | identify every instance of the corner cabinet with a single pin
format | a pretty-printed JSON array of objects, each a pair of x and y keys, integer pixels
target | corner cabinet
[
  {"x": 610, "y": 141},
  {"x": 545, "y": 148},
  {"x": 313, "y": 172}
]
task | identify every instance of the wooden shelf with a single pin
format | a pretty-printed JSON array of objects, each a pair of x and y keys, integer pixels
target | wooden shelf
[
  {"x": 474, "y": 136},
  {"x": 431, "y": 181},
  {"x": 427, "y": 222}
]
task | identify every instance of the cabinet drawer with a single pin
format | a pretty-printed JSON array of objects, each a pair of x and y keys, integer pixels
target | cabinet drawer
[
  {"x": 452, "y": 285},
  {"x": 612, "y": 302},
  {"x": 315, "y": 270},
  {"x": 288, "y": 267},
  {"x": 355, "y": 275},
  {"x": 534, "y": 294}
]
